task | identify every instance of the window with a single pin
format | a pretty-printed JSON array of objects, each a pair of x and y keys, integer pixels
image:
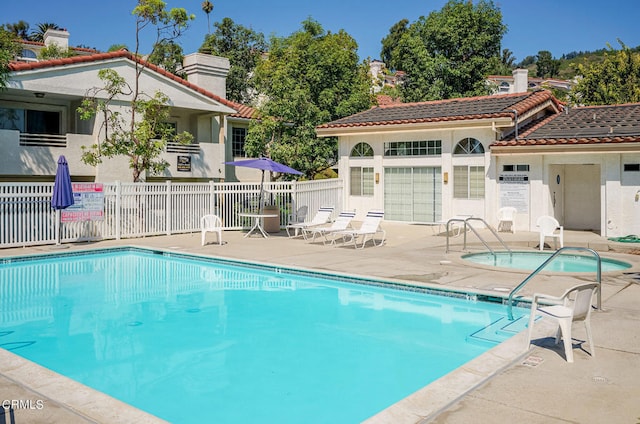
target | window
[
  {"x": 518, "y": 168},
  {"x": 632, "y": 167},
  {"x": 413, "y": 148},
  {"x": 43, "y": 122},
  {"x": 30, "y": 121},
  {"x": 362, "y": 150},
  {"x": 504, "y": 87},
  {"x": 12, "y": 119},
  {"x": 361, "y": 181},
  {"x": 238, "y": 137},
  {"x": 28, "y": 54},
  {"x": 468, "y": 146},
  {"x": 468, "y": 182}
]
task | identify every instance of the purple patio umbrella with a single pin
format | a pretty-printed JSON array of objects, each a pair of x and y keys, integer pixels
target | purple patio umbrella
[
  {"x": 62, "y": 192},
  {"x": 264, "y": 164}
]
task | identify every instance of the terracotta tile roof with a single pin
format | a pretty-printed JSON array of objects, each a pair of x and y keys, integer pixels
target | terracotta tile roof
[
  {"x": 27, "y": 66},
  {"x": 582, "y": 125},
  {"x": 243, "y": 111},
  {"x": 446, "y": 110}
]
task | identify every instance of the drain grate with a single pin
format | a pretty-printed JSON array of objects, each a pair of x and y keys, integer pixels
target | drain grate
[{"x": 600, "y": 379}]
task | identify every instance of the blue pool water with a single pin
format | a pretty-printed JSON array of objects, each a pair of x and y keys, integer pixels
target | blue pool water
[
  {"x": 192, "y": 340},
  {"x": 531, "y": 260}
]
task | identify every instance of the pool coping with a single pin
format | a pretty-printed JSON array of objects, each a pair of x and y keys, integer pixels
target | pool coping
[
  {"x": 425, "y": 403},
  {"x": 457, "y": 257}
]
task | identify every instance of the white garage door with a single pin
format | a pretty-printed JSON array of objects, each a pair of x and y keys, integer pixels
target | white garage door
[{"x": 413, "y": 194}]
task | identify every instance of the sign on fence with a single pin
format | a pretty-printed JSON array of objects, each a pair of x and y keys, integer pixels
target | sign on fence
[{"x": 88, "y": 203}]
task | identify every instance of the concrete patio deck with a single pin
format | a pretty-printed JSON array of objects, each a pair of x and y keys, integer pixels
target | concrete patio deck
[{"x": 508, "y": 383}]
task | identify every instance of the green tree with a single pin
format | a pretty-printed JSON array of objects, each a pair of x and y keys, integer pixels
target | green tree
[
  {"x": 10, "y": 47},
  {"x": 449, "y": 53},
  {"x": 117, "y": 47},
  {"x": 615, "y": 80},
  {"x": 244, "y": 48},
  {"x": 20, "y": 29},
  {"x": 391, "y": 41},
  {"x": 308, "y": 78},
  {"x": 38, "y": 34},
  {"x": 169, "y": 56},
  {"x": 139, "y": 132},
  {"x": 546, "y": 65},
  {"x": 53, "y": 51}
]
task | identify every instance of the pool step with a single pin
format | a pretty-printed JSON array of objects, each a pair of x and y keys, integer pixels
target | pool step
[{"x": 499, "y": 330}]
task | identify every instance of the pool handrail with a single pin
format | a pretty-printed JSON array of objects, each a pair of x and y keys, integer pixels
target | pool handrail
[
  {"x": 468, "y": 224},
  {"x": 549, "y": 260}
]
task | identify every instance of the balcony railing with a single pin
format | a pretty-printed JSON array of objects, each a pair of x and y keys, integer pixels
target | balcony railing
[
  {"x": 43, "y": 140},
  {"x": 193, "y": 148}
]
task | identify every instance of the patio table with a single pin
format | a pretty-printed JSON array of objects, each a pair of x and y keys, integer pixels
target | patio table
[{"x": 257, "y": 225}]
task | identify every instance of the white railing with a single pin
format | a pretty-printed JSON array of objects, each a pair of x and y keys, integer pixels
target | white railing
[{"x": 145, "y": 209}]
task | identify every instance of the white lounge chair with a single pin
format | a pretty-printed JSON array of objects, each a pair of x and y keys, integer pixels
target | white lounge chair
[
  {"x": 368, "y": 229},
  {"x": 211, "y": 224},
  {"x": 548, "y": 226},
  {"x": 566, "y": 311},
  {"x": 507, "y": 219},
  {"x": 321, "y": 217},
  {"x": 342, "y": 222}
]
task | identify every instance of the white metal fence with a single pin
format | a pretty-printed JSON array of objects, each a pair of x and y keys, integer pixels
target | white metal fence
[{"x": 146, "y": 209}]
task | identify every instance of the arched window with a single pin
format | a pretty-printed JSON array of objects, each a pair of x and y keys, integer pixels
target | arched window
[
  {"x": 468, "y": 146},
  {"x": 362, "y": 150},
  {"x": 28, "y": 54}
]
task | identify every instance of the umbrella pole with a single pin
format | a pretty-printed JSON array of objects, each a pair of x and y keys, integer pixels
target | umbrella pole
[
  {"x": 58, "y": 227},
  {"x": 260, "y": 195}
]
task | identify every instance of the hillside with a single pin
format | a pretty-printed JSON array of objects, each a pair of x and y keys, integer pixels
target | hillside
[{"x": 569, "y": 62}]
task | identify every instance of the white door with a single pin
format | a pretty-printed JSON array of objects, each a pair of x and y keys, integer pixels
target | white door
[{"x": 582, "y": 197}]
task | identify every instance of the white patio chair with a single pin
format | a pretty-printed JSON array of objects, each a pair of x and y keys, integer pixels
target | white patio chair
[
  {"x": 507, "y": 219},
  {"x": 566, "y": 311},
  {"x": 548, "y": 226},
  {"x": 342, "y": 222},
  {"x": 211, "y": 224},
  {"x": 368, "y": 229},
  {"x": 321, "y": 217}
]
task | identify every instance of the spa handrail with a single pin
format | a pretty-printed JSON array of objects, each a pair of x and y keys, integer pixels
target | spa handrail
[
  {"x": 549, "y": 260},
  {"x": 495, "y": 234},
  {"x": 467, "y": 223}
]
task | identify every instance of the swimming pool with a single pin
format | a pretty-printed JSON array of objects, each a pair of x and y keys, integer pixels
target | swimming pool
[
  {"x": 531, "y": 260},
  {"x": 226, "y": 342}
]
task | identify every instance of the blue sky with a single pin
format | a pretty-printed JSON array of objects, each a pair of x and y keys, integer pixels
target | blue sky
[{"x": 559, "y": 26}]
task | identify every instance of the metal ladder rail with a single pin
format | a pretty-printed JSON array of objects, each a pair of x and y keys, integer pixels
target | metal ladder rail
[
  {"x": 465, "y": 234},
  {"x": 495, "y": 234},
  {"x": 548, "y": 261},
  {"x": 466, "y": 223}
]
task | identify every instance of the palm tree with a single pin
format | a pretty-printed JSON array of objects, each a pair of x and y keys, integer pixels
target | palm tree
[
  {"x": 38, "y": 34},
  {"x": 207, "y": 7},
  {"x": 20, "y": 29}
]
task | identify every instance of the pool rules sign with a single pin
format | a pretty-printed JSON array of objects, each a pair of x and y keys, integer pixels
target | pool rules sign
[
  {"x": 514, "y": 191},
  {"x": 88, "y": 203}
]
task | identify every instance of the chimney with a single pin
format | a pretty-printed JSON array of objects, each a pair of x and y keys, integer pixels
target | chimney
[
  {"x": 208, "y": 72},
  {"x": 57, "y": 36},
  {"x": 520, "y": 80}
]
